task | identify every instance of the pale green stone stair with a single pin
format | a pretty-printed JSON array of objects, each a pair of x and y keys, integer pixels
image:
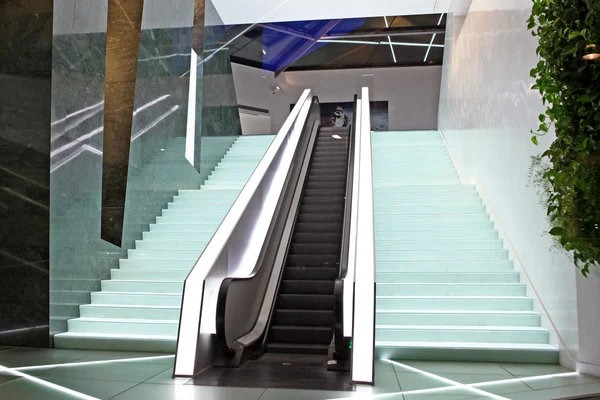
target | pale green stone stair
[
  {"x": 139, "y": 307},
  {"x": 446, "y": 289}
]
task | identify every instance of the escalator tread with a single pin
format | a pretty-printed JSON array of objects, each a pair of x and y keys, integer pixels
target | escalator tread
[{"x": 303, "y": 316}]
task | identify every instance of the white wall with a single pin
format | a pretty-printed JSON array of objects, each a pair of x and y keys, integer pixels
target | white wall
[
  {"x": 412, "y": 93},
  {"x": 255, "y": 124},
  {"x": 486, "y": 112},
  {"x": 244, "y": 11}
]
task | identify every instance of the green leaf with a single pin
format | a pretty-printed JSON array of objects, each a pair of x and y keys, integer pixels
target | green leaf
[
  {"x": 542, "y": 117},
  {"x": 534, "y": 140},
  {"x": 556, "y": 231},
  {"x": 574, "y": 35}
]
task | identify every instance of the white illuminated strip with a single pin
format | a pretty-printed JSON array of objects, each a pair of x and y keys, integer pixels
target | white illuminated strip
[
  {"x": 390, "y": 40},
  {"x": 432, "y": 39},
  {"x": 349, "y": 280},
  {"x": 364, "y": 293},
  {"x": 190, "y": 133},
  {"x": 49, "y": 385},
  {"x": 194, "y": 286},
  {"x": 87, "y": 363},
  {"x": 378, "y": 43}
]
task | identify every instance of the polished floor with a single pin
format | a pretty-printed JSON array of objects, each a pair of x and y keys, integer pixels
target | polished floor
[{"x": 57, "y": 374}]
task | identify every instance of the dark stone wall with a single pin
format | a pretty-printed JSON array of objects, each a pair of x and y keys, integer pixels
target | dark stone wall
[{"x": 25, "y": 96}]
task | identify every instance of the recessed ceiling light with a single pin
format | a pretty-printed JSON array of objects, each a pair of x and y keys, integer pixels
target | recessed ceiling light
[
  {"x": 264, "y": 51},
  {"x": 336, "y": 136},
  {"x": 368, "y": 74}
]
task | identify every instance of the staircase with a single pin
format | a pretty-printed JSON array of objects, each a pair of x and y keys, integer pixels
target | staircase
[
  {"x": 138, "y": 308},
  {"x": 445, "y": 287},
  {"x": 303, "y": 317}
]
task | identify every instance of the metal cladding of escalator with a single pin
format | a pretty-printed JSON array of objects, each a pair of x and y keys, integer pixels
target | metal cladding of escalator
[{"x": 139, "y": 307}]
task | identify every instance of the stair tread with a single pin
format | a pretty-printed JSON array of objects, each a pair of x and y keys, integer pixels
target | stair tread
[
  {"x": 463, "y": 327},
  {"x": 467, "y": 345},
  {"x": 127, "y": 320}
]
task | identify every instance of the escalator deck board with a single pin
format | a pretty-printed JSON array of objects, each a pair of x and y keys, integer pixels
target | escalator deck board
[{"x": 284, "y": 371}]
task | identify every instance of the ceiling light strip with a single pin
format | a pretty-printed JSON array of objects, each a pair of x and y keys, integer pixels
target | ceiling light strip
[
  {"x": 390, "y": 41},
  {"x": 433, "y": 38}
]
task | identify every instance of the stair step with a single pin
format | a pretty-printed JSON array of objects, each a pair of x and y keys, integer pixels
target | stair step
[
  {"x": 506, "y": 303},
  {"x": 445, "y": 266},
  {"x": 457, "y": 317},
  {"x": 124, "y": 326},
  {"x": 169, "y": 245},
  {"x": 130, "y": 311},
  {"x": 209, "y": 227},
  {"x": 322, "y": 209},
  {"x": 461, "y": 334},
  {"x": 314, "y": 260},
  {"x": 450, "y": 289},
  {"x": 447, "y": 277},
  {"x": 149, "y": 275},
  {"x": 126, "y": 286},
  {"x": 164, "y": 254},
  {"x": 456, "y": 351},
  {"x": 438, "y": 245},
  {"x": 441, "y": 255},
  {"x": 384, "y": 236},
  {"x": 98, "y": 341},
  {"x": 401, "y": 219},
  {"x": 178, "y": 237},
  {"x": 150, "y": 299},
  {"x": 381, "y": 226},
  {"x": 317, "y": 237},
  {"x": 301, "y": 334},
  {"x": 155, "y": 265}
]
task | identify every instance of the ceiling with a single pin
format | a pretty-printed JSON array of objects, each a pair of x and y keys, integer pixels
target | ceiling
[{"x": 374, "y": 42}]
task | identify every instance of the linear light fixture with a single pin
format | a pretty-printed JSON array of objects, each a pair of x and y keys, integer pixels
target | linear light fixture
[
  {"x": 390, "y": 41},
  {"x": 378, "y": 43},
  {"x": 86, "y": 363},
  {"x": 433, "y": 38}
]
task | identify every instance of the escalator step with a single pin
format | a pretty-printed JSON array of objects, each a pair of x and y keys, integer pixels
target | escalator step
[
  {"x": 305, "y": 302},
  {"x": 324, "y": 193},
  {"x": 312, "y": 273},
  {"x": 330, "y": 153},
  {"x": 294, "y": 348},
  {"x": 301, "y": 334},
  {"x": 326, "y": 171},
  {"x": 327, "y": 178},
  {"x": 314, "y": 227},
  {"x": 333, "y": 200},
  {"x": 324, "y": 218},
  {"x": 315, "y": 248},
  {"x": 307, "y": 287},
  {"x": 322, "y": 209},
  {"x": 316, "y": 237},
  {"x": 316, "y": 260},
  {"x": 326, "y": 185},
  {"x": 329, "y": 159},
  {"x": 304, "y": 317}
]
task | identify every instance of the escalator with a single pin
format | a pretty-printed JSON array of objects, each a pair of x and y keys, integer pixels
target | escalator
[
  {"x": 304, "y": 310},
  {"x": 282, "y": 325}
]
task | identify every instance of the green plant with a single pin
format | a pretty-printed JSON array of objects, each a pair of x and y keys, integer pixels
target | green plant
[{"x": 568, "y": 78}]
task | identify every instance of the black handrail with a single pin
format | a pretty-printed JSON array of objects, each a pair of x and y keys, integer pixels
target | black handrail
[{"x": 341, "y": 347}]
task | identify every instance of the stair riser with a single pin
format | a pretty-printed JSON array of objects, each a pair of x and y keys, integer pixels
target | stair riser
[
  {"x": 156, "y": 265},
  {"x": 130, "y": 299},
  {"x": 458, "y": 319},
  {"x": 191, "y": 219},
  {"x": 88, "y": 311},
  {"x": 185, "y": 228},
  {"x": 441, "y": 267},
  {"x": 446, "y": 277},
  {"x": 148, "y": 275},
  {"x": 169, "y": 245},
  {"x": 147, "y": 287},
  {"x": 164, "y": 255},
  {"x": 441, "y": 255},
  {"x": 462, "y": 336},
  {"x": 431, "y": 226},
  {"x": 178, "y": 237},
  {"x": 454, "y": 304},
  {"x": 416, "y": 218},
  {"x": 438, "y": 245},
  {"x": 401, "y": 209},
  {"x": 381, "y": 205},
  {"x": 123, "y": 328},
  {"x": 426, "y": 190},
  {"x": 403, "y": 289},
  {"x": 382, "y": 236}
]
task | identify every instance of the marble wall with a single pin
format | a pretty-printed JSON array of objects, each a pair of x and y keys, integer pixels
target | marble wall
[
  {"x": 487, "y": 110},
  {"x": 25, "y": 79}
]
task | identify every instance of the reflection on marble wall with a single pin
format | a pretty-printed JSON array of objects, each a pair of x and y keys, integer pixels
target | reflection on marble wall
[
  {"x": 25, "y": 72},
  {"x": 487, "y": 110},
  {"x": 78, "y": 257}
]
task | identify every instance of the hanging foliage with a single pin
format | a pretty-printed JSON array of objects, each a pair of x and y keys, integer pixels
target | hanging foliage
[{"x": 568, "y": 78}]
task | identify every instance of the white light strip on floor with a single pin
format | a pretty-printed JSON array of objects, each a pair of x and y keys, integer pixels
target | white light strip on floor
[
  {"x": 390, "y": 41},
  {"x": 49, "y": 385},
  {"x": 432, "y": 39},
  {"x": 100, "y": 362},
  {"x": 448, "y": 381}
]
